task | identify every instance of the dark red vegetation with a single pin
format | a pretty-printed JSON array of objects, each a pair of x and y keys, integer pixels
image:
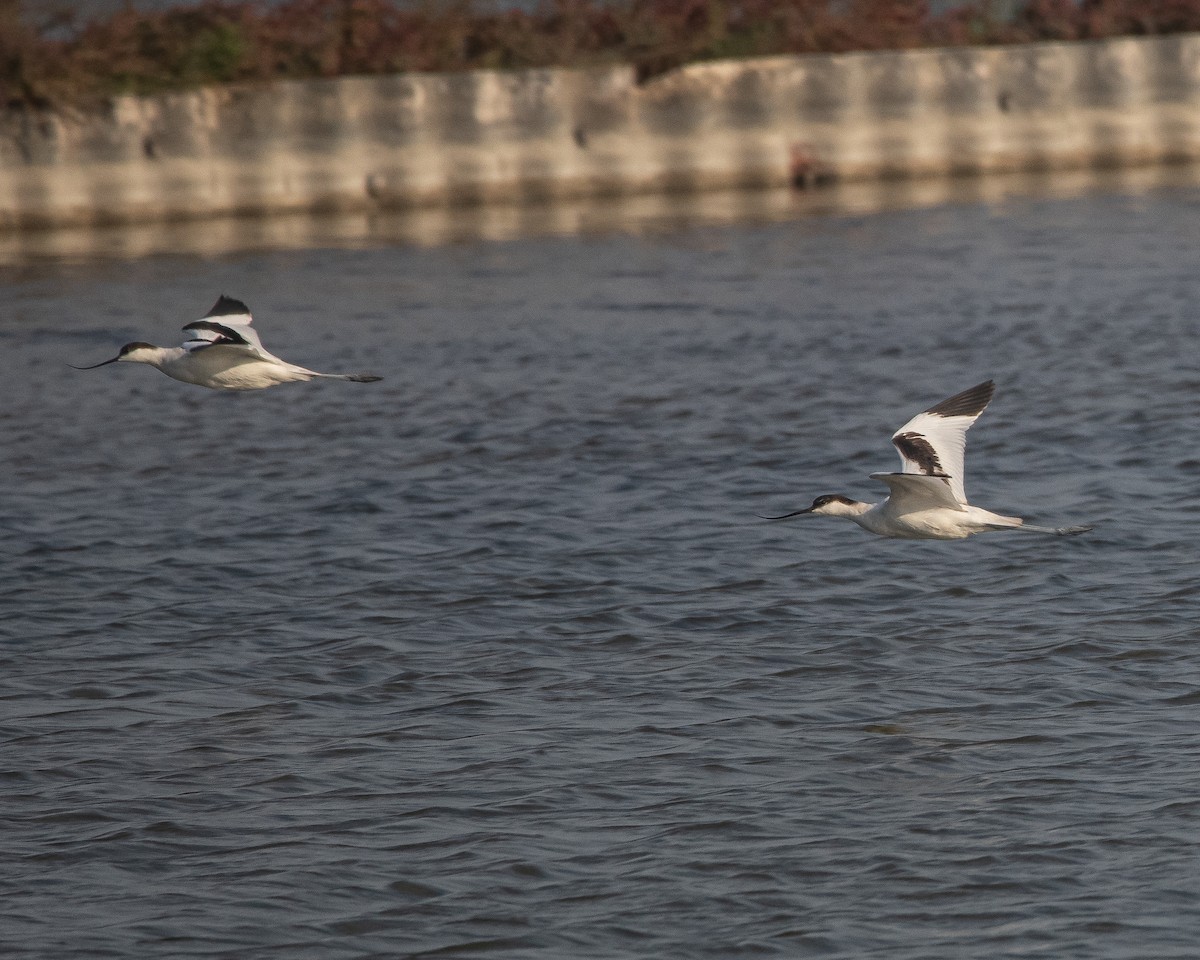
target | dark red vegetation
[{"x": 57, "y": 59}]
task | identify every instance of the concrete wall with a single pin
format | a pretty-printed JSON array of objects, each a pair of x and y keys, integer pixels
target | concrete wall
[{"x": 433, "y": 140}]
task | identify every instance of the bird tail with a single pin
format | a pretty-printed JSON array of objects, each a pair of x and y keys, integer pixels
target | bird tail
[
  {"x": 1056, "y": 531},
  {"x": 352, "y": 377}
]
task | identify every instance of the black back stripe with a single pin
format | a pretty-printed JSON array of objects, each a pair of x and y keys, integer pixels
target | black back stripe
[
  {"x": 208, "y": 344},
  {"x": 228, "y": 334},
  {"x": 944, "y": 477},
  {"x": 916, "y": 449},
  {"x": 969, "y": 403}
]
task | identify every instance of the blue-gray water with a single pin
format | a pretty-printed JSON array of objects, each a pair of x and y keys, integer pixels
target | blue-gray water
[{"x": 493, "y": 659}]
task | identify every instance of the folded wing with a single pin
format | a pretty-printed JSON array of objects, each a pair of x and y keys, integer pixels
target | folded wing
[{"x": 932, "y": 443}]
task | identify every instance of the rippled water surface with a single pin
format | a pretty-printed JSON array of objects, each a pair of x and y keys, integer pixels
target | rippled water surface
[{"x": 493, "y": 658}]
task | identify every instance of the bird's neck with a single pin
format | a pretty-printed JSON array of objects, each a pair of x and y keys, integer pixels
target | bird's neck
[
  {"x": 860, "y": 513},
  {"x": 852, "y": 510},
  {"x": 156, "y": 356}
]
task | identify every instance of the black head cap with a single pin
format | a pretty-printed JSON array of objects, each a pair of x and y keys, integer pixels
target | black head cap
[
  {"x": 816, "y": 504},
  {"x": 123, "y": 352}
]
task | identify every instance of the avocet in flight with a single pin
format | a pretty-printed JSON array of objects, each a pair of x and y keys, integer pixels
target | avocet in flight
[
  {"x": 223, "y": 352},
  {"x": 927, "y": 500}
]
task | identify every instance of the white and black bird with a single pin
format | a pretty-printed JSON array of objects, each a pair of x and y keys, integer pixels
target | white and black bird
[
  {"x": 223, "y": 352},
  {"x": 927, "y": 500}
]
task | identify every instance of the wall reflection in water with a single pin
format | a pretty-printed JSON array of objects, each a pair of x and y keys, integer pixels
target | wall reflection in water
[{"x": 633, "y": 214}]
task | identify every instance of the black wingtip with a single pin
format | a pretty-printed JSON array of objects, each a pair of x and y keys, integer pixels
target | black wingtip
[
  {"x": 363, "y": 378},
  {"x": 226, "y": 307},
  {"x": 969, "y": 403}
]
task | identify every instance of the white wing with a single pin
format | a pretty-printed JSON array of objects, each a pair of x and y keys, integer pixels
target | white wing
[
  {"x": 932, "y": 443},
  {"x": 912, "y": 493},
  {"x": 227, "y": 324}
]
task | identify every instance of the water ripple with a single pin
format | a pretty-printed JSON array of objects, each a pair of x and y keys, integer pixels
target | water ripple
[{"x": 493, "y": 658}]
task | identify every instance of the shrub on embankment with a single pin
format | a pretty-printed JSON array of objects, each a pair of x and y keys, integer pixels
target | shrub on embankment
[{"x": 54, "y": 58}]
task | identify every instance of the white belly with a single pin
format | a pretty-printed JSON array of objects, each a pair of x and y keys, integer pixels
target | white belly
[
  {"x": 934, "y": 524},
  {"x": 221, "y": 375}
]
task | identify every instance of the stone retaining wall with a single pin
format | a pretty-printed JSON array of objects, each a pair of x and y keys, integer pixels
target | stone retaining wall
[{"x": 485, "y": 137}]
